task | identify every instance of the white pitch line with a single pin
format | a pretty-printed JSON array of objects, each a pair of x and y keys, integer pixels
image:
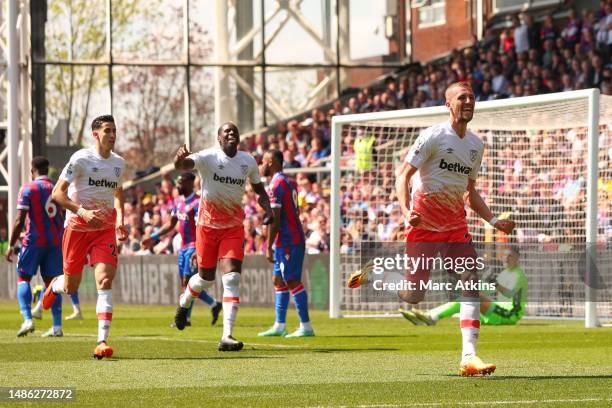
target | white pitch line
[{"x": 440, "y": 404}]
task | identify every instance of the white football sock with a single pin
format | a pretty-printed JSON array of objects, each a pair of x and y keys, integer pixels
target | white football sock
[
  {"x": 231, "y": 300},
  {"x": 194, "y": 287},
  {"x": 469, "y": 317},
  {"x": 104, "y": 310},
  {"x": 58, "y": 285}
]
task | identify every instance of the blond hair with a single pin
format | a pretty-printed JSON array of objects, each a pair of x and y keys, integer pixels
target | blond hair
[{"x": 460, "y": 84}]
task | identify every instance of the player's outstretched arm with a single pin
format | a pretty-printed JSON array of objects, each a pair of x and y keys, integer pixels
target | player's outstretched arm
[
  {"x": 264, "y": 201},
  {"x": 122, "y": 232},
  {"x": 181, "y": 161},
  {"x": 18, "y": 225},
  {"x": 477, "y": 204},
  {"x": 154, "y": 238},
  {"x": 402, "y": 186},
  {"x": 94, "y": 218}
]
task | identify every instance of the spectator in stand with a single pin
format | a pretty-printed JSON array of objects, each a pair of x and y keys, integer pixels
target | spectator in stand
[
  {"x": 499, "y": 83},
  {"x": 521, "y": 34},
  {"x": 571, "y": 32},
  {"x": 533, "y": 32},
  {"x": 548, "y": 29}
]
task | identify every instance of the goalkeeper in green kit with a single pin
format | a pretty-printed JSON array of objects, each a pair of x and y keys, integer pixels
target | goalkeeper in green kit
[{"x": 508, "y": 309}]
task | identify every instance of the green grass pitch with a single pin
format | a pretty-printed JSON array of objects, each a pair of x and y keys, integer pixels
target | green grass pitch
[{"x": 351, "y": 362}]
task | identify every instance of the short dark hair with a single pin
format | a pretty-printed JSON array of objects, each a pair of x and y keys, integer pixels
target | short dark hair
[
  {"x": 189, "y": 176},
  {"x": 41, "y": 165},
  {"x": 97, "y": 122},
  {"x": 277, "y": 156},
  {"x": 229, "y": 122}
]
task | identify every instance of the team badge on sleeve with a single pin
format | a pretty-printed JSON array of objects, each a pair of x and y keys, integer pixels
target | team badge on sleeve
[{"x": 473, "y": 154}]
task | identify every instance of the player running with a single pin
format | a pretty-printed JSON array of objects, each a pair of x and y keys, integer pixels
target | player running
[
  {"x": 40, "y": 246},
  {"x": 90, "y": 190},
  {"x": 285, "y": 248},
  {"x": 220, "y": 232},
  {"x": 447, "y": 157},
  {"x": 37, "y": 298},
  {"x": 508, "y": 309},
  {"x": 185, "y": 210}
]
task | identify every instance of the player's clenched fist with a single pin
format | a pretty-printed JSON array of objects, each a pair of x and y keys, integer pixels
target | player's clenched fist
[
  {"x": 181, "y": 153},
  {"x": 415, "y": 219},
  {"x": 505, "y": 226}
]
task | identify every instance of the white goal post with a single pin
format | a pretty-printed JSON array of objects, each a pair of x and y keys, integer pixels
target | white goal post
[{"x": 556, "y": 134}]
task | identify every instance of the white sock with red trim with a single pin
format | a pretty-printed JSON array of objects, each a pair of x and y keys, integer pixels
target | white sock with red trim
[
  {"x": 58, "y": 285},
  {"x": 231, "y": 300},
  {"x": 104, "y": 310},
  {"x": 195, "y": 286},
  {"x": 469, "y": 317}
]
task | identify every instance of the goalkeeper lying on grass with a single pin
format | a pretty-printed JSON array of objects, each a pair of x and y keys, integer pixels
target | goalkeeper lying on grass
[{"x": 512, "y": 289}]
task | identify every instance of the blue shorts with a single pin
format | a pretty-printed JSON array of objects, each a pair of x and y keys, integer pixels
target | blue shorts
[
  {"x": 288, "y": 262},
  {"x": 49, "y": 258},
  {"x": 184, "y": 264}
]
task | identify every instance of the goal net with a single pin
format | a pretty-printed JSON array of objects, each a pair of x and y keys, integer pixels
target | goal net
[{"x": 539, "y": 168}]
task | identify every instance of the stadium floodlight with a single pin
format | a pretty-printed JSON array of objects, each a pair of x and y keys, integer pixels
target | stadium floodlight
[{"x": 544, "y": 139}]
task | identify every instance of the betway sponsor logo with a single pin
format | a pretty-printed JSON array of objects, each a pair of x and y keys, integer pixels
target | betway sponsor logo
[
  {"x": 456, "y": 167},
  {"x": 103, "y": 183},
  {"x": 228, "y": 180}
]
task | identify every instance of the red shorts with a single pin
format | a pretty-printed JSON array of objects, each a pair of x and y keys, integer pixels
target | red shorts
[
  {"x": 101, "y": 246},
  {"x": 213, "y": 244},
  {"x": 453, "y": 244}
]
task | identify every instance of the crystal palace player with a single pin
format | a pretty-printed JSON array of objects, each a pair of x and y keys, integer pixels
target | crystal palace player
[
  {"x": 285, "y": 248},
  {"x": 90, "y": 189},
  {"x": 220, "y": 231},
  {"x": 40, "y": 246},
  {"x": 447, "y": 157},
  {"x": 185, "y": 210}
]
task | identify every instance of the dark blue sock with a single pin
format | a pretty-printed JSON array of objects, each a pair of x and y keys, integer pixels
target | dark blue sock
[
  {"x": 206, "y": 298},
  {"x": 301, "y": 302},
  {"x": 56, "y": 311},
  {"x": 75, "y": 298},
  {"x": 282, "y": 301}
]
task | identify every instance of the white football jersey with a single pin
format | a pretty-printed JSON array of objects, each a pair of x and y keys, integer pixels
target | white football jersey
[
  {"x": 445, "y": 162},
  {"x": 93, "y": 182},
  {"x": 223, "y": 180}
]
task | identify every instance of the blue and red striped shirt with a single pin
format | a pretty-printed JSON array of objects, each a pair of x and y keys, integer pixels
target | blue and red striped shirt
[
  {"x": 283, "y": 194},
  {"x": 45, "y": 222},
  {"x": 186, "y": 210}
]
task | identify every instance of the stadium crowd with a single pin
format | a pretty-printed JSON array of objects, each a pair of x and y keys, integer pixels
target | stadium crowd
[{"x": 527, "y": 58}]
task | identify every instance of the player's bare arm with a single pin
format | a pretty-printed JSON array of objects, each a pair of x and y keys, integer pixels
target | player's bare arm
[
  {"x": 18, "y": 225},
  {"x": 402, "y": 186},
  {"x": 122, "y": 232},
  {"x": 477, "y": 204},
  {"x": 94, "y": 218},
  {"x": 272, "y": 232},
  {"x": 181, "y": 161},
  {"x": 264, "y": 202}
]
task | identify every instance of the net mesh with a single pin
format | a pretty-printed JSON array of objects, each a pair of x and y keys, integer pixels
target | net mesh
[{"x": 533, "y": 169}]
